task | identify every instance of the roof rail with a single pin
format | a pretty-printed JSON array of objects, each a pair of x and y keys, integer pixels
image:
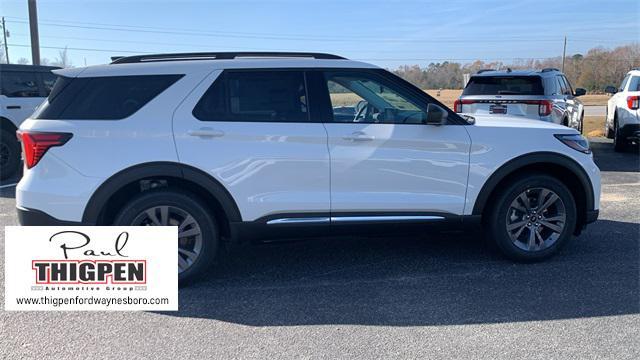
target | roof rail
[
  {"x": 549, "y": 69},
  {"x": 217, "y": 56},
  {"x": 484, "y": 70}
]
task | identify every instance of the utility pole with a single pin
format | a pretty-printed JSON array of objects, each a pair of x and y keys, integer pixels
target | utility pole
[
  {"x": 564, "y": 52},
  {"x": 4, "y": 35},
  {"x": 33, "y": 30}
]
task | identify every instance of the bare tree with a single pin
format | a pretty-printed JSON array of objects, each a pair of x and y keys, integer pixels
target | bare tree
[
  {"x": 22, "y": 61},
  {"x": 63, "y": 59}
]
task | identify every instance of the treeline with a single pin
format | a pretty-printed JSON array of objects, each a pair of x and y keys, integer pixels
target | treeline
[{"x": 593, "y": 71}]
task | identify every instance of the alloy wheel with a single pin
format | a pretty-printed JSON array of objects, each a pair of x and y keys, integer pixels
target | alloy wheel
[
  {"x": 189, "y": 232},
  {"x": 536, "y": 218}
]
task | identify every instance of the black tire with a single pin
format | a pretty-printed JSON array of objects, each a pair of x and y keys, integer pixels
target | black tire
[
  {"x": 496, "y": 223},
  {"x": 9, "y": 155},
  {"x": 581, "y": 124},
  {"x": 189, "y": 203},
  {"x": 619, "y": 143}
]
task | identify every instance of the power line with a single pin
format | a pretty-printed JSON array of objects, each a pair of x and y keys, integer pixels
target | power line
[
  {"x": 137, "y": 29},
  {"x": 358, "y": 59},
  {"x": 84, "y": 49}
]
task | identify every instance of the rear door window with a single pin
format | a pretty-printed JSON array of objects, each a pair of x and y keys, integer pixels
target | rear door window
[
  {"x": 256, "y": 95},
  {"x": 20, "y": 84},
  {"x": 103, "y": 98},
  {"x": 504, "y": 85},
  {"x": 634, "y": 83}
]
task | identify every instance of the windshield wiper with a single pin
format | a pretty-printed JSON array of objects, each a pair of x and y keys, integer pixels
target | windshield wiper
[{"x": 508, "y": 92}]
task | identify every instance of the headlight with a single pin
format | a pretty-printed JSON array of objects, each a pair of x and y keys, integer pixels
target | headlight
[{"x": 575, "y": 141}]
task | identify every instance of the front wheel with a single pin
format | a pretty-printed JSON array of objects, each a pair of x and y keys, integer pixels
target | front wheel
[
  {"x": 532, "y": 217},
  {"x": 197, "y": 229}
]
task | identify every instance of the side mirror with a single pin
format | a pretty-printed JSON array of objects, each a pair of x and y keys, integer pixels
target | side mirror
[
  {"x": 436, "y": 115},
  {"x": 580, "y": 92},
  {"x": 610, "y": 89}
]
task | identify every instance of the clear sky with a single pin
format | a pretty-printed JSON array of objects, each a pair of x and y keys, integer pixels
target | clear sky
[{"x": 388, "y": 33}]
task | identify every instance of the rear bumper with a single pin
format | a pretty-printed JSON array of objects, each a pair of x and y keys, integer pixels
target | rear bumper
[{"x": 30, "y": 217}]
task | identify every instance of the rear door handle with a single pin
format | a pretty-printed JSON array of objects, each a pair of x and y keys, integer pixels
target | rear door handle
[
  {"x": 11, "y": 107},
  {"x": 359, "y": 136},
  {"x": 206, "y": 133}
]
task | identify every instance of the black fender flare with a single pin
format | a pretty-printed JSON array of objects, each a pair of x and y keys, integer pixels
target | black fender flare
[
  {"x": 7, "y": 125},
  {"x": 101, "y": 196},
  {"x": 537, "y": 158}
]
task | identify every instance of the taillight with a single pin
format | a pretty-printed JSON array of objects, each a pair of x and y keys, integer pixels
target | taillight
[
  {"x": 36, "y": 144},
  {"x": 633, "y": 102},
  {"x": 457, "y": 105},
  {"x": 545, "y": 107}
]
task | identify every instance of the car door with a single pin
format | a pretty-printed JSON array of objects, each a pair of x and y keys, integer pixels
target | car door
[
  {"x": 251, "y": 131},
  {"x": 21, "y": 95},
  {"x": 386, "y": 164}
]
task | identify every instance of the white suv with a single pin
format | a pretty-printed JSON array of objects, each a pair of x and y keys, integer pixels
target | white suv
[
  {"x": 623, "y": 111},
  {"x": 247, "y": 146}
]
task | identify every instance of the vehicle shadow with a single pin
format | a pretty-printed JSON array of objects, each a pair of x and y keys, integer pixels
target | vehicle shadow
[
  {"x": 444, "y": 279},
  {"x": 609, "y": 160}
]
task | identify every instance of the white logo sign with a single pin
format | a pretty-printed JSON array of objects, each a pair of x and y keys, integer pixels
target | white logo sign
[{"x": 91, "y": 268}]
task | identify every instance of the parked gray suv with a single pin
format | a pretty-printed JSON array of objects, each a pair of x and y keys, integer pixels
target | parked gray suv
[{"x": 536, "y": 94}]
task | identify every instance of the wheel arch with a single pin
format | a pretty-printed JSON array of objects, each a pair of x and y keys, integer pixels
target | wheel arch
[
  {"x": 562, "y": 167},
  {"x": 7, "y": 125},
  {"x": 117, "y": 190}
]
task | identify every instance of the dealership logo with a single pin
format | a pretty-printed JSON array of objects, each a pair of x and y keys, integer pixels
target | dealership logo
[{"x": 116, "y": 269}]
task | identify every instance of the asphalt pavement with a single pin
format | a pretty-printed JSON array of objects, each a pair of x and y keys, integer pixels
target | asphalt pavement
[
  {"x": 595, "y": 110},
  {"x": 432, "y": 296}
]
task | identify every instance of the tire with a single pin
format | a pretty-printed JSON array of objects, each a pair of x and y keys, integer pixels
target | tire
[
  {"x": 9, "y": 155},
  {"x": 581, "y": 124},
  {"x": 180, "y": 205},
  {"x": 619, "y": 144},
  {"x": 501, "y": 214}
]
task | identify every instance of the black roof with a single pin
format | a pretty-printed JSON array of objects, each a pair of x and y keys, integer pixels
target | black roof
[{"x": 31, "y": 68}]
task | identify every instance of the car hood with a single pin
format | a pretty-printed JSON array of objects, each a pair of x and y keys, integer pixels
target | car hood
[{"x": 515, "y": 122}]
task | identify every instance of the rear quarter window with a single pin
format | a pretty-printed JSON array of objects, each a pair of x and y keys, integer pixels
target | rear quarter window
[
  {"x": 504, "y": 85},
  {"x": 103, "y": 98}
]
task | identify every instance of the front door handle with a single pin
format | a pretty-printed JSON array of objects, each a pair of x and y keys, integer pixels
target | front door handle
[
  {"x": 206, "y": 133},
  {"x": 359, "y": 136},
  {"x": 12, "y": 107}
]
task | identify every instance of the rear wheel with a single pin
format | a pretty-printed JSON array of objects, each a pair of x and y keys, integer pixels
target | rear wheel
[
  {"x": 619, "y": 143},
  {"x": 532, "y": 217},
  {"x": 197, "y": 230},
  {"x": 9, "y": 155}
]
